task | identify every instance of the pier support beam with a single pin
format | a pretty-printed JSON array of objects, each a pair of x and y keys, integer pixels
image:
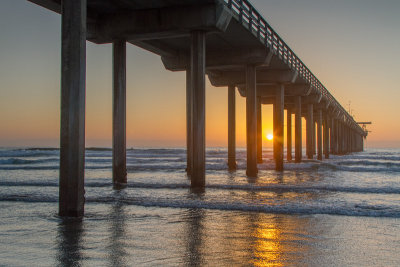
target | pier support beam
[
  {"x": 189, "y": 136},
  {"x": 332, "y": 135},
  {"x": 278, "y": 127},
  {"x": 72, "y": 132},
  {"x": 119, "y": 113},
  {"x": 251, "y": 120},
  {"x": 259, "y": 131},
  {"x": 197, "y": 66},
  {"x": 314, "y": 137},
  {"x": 309, "y": 131},
  {"x": 289, "y": 134},
  {"x": 231, "y": 128},
  {"x": 298, "y": 130},
  {"x": 319, "y": 130},
  {"x": 326, "y": 135}
]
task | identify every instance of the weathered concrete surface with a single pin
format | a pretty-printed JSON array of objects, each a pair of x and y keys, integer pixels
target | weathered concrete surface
[
  {"x": 309, "y": 131},
  {"x": 298, "y": 130},
  {"x": 259, "y": 131},
  {"x": 198, "y": 53},
  {"x": 251, "y": 121},
  {"x": 119, "y": 112},
  {"x": 319, "y": 133},
  {"x": 278, "y": 127},
  {"x": 231, "y": 128},
  {"x": 189, "y": 137},
  {"x": 72, "y": 133},
  {"x": 289, "y": 134}
]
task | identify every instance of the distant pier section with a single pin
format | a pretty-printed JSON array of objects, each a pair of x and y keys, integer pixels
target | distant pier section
[{"x": 226, "y": 39}]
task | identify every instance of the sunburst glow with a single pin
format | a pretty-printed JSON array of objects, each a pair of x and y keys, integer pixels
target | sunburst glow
[{"x": 270, "y": 136}]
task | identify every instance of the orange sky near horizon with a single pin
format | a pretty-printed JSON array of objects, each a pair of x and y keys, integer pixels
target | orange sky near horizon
[{"x": 340, "y": 50}]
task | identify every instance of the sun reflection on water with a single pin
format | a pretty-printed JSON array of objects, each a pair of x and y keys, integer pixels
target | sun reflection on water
[{"x": 267, "y": 248}]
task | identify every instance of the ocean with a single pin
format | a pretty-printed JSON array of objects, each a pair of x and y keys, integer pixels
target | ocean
[{"x": 344, "y": 211}]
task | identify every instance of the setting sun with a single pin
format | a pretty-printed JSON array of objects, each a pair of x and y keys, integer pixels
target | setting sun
[{"x": 270, "y": 136}]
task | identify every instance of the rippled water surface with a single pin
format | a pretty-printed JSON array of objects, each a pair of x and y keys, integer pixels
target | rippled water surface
[{"x": 342, "y": 211}]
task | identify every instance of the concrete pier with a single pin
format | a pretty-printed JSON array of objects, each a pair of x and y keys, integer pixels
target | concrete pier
[
  {"x": 176, "y": 31},
  {"x": 278, "y": 126},
  {"x": 231, "y": 128},
  {"x": 259, "y": 131},
  {"x": 251, "y": 120},
  {"x": 289, "y": 134},
  {"x": 189, "y": 136},
  {"x": 309, "y": 131},
  {"x": 119, "y": 113},
  {"x": 198, "y": 67},
  {"x": 298, "y": 130},
  {"x": 72, "y": 132},
  {"x": 319, "y": 131}
]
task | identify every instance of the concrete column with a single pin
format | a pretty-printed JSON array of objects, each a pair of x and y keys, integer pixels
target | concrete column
[
  {"x": 251, "y": 120},
  {"x": 72, "y": 132},
  {"x": 189, "y": 136},
  {"x": 119, "y": 112},
  {"x": 326, "y": 135},
  {"x": 332, "y": 135},
  {"x": 309, "y": 131},
  {"x": 259, "y": 131},
  {"x": 337, "y": 136},
  {"x": 298, "y": 130},
  {"x": 289, "y": 134},
  {"x": 278, "y": 126},
  {"x": 362, "y": 143},
  {"x": 198, "y": 67},
  {"x": 340, "y": 137},
  {"x": 231, "y": 128},
  {"x": 319, "y": 130},
  {"x": 314, "y": 137}
]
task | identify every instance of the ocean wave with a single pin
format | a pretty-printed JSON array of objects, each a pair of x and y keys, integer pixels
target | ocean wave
[
  {"x": 281, "y": 208},
  {"x": 239, "y": 187},
  {"x": 17, "y": 161},
  {"x": 388, "y": 164}
]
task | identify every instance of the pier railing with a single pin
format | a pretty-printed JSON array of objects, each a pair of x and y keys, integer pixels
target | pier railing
[{"x": 250, "y": 18}]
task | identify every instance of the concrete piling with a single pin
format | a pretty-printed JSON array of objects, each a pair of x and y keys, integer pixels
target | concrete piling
[
  {"x": 251, "y": 120},
  {"x": 189, "y": 136},
  {"x": 198, "y": 67},
  {"x": 259, "y": 131},
  {"x": 72, "y": 132},
  {"x": 319, "y": 131},
  {"x": 119, "y": 113},
  {"x": 231, "y": 128},
  {"x": 326, "y": 135},
  {"x": 289, "y": 134},
  {"x": 309, "y": 131},
  {"x": 278, "y": 126},
  {"x": 298, "y": 130}
]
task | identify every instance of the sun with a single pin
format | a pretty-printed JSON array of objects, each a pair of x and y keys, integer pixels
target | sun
[{"x": 270, "y": 137}]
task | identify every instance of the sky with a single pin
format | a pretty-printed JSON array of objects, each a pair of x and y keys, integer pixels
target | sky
[{"x": 350, "y": 45}]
